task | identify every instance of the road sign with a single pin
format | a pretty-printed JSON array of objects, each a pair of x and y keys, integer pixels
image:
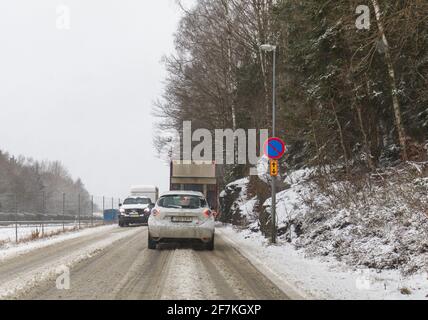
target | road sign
[
  {"x": 274, "y": 168},
  {"x": 274, "y": 148}
]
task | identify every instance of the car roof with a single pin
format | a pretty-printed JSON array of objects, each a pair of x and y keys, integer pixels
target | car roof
[
  {"x": 143, "y": 188},
  {"x": 185, "y": 193}
]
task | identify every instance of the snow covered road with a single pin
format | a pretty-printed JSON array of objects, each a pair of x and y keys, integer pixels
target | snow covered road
[
  {"x": 23, "y": 267},
  {"x": 116, "y": 264}
]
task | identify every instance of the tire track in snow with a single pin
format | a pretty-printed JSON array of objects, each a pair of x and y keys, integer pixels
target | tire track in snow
[{"x": 187, "y": 278}]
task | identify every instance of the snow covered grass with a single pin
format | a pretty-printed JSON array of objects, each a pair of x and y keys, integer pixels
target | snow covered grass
[
  {"x": 315, "y": 278},
  {"x": 7, "y": 233}
]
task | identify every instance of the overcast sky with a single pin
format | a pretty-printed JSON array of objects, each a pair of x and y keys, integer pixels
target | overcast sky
[{"x": 84, "y": 95}]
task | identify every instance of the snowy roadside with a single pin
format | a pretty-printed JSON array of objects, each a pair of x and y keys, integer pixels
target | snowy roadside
[
  {"x": 11, "y": 250},
  {"x": 7, "y": 233},
  {"x": 325, "y": 278},
  {"x": 50, "y": 268}
]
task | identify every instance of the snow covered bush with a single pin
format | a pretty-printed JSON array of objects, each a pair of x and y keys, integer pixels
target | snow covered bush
[{"x": 377, "y": 221}]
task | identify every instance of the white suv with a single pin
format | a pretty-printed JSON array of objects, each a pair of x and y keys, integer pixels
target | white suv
[{"x": 182, "y": 215}]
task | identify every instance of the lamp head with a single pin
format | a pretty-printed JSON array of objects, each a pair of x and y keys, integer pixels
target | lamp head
[{"x": 268, "y": 47}]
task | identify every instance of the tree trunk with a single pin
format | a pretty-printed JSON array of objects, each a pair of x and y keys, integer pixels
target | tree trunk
[
  {"x": 260, "y": 10},
  {"x": 367, "y": 148},
  {"x": 263, "y": 61},
  {"x": 315, "y": 138},
  {"x": 342, "y": 139},
  {"x": 230, "y": 78},
  {"x": 394, "y": 90}
]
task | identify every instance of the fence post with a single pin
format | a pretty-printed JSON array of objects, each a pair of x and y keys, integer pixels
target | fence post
[
  {"x": 104, "y": 209},
  {"x": 92, "y": 208},
  {"x": 44, "y": 213},
  {"x": 79, "y": 211},
  {"x": 118, "y": 205},
  {"x": 63, "y": 212},
  {"x": 16, "y": 218}
]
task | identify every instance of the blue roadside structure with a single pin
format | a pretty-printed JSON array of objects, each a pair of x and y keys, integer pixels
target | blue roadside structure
[{"x": 111, "y": 215}]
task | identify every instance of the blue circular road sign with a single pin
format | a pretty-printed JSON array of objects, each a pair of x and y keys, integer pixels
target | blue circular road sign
[{"x": 274, "y": 148}]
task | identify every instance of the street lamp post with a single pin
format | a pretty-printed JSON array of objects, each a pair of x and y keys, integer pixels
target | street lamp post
[{"x": 271, "y": 48}]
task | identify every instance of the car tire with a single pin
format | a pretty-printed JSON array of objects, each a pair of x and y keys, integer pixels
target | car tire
[
  {"x": 120, "y": 224},
  {"x": 210, "y": 245},
  {"x": 151, "y": 243}
]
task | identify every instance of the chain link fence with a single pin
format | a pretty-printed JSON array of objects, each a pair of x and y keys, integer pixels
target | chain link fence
[{"x": 33, "y": 215}]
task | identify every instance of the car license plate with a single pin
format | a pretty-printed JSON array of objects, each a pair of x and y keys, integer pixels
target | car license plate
[{"x": 182, "y": 219}]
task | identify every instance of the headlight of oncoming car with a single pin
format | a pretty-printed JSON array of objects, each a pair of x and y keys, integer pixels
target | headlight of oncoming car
[{"x": 122, "y": 211}]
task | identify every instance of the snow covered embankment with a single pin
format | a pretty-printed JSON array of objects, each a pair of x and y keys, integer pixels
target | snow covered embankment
[{"x": 349, "y": 241}]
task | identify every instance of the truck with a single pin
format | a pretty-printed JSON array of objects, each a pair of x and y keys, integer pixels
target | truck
[
  {"x": 199, "y": 176},
  {"x": 145, "y": 191}
]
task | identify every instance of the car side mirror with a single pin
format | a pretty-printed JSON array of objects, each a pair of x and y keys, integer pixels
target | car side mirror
[{"x": 120, "y": 205}]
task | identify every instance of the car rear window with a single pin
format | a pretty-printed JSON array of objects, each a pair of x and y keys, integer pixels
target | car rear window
[{"x": 182, "y": 202}]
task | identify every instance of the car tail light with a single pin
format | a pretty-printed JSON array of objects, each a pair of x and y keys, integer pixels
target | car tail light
[
  {"x": 155, "y": 212},
  {"x": 207, "y": 213}
]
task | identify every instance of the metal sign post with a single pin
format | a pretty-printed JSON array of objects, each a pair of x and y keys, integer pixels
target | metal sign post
[{"x": 274, "y": 149}]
